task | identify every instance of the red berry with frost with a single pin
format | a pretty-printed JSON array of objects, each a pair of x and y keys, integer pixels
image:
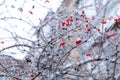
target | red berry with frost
[
  {"x": 117, "y": 20},
  {"x": 78, "y": 42},
  {"x": 86, "y": 25},
  {"x": 62, "y": 43},
  {"x": 32, "y": 75},
  {"x": 88, "y": 54},
  {"x": 2, "y": 42},
  {"x": 93, "y": 17},
  {"x": 86, "y": 20},
  {"x": 112, "y": 35},
  {"x": 67, "y": 21},
  {"x": 82, "y": 15},
  {"x": 67, "y": 24},
  {"x": 30, "y": 12},
  {"x": 103, "y": 21},
  {"x": 88, "y": 29},
  {"x": 63, "y": 23},
  {"x": 98, "y": 30},
  {"x": 71, "y": 17},
  {"x": 46, "y": 1}
]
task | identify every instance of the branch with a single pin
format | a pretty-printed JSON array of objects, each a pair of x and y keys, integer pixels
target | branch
[{"x": 21, "y": 45}]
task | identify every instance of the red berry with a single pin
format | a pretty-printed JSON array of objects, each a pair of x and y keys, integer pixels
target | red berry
[
  {"x": 88, "y": 54},
  {"x": 67, "y": 24},
  {"x": 32, "y": 75},
  {"x": 63, "y": 23},
  {"x": 86, "y": 25},
  {"x": 67, "y": 21},
  {"x": 93, "y": 17},
  {"x": 88, "y": 29},
  {"x": 78, "y": 42},
  {"x": 62, "y": 43},
  {"x": 98, "y": 30},
  {"x": 2, "y": 42},
  {"x": 71, "y": 16},
  {"x": 117, "y": 20},
  {"x": 103, "y": 22},
  {"x": 112, "y": 35},
  {"x": 86, "y": 20},
  {"x": 70, "y": 19},
  {"x": 46, "y": 1},
  {"x": 82, "y": 15},
  {"x": 30, "y": 12}
]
